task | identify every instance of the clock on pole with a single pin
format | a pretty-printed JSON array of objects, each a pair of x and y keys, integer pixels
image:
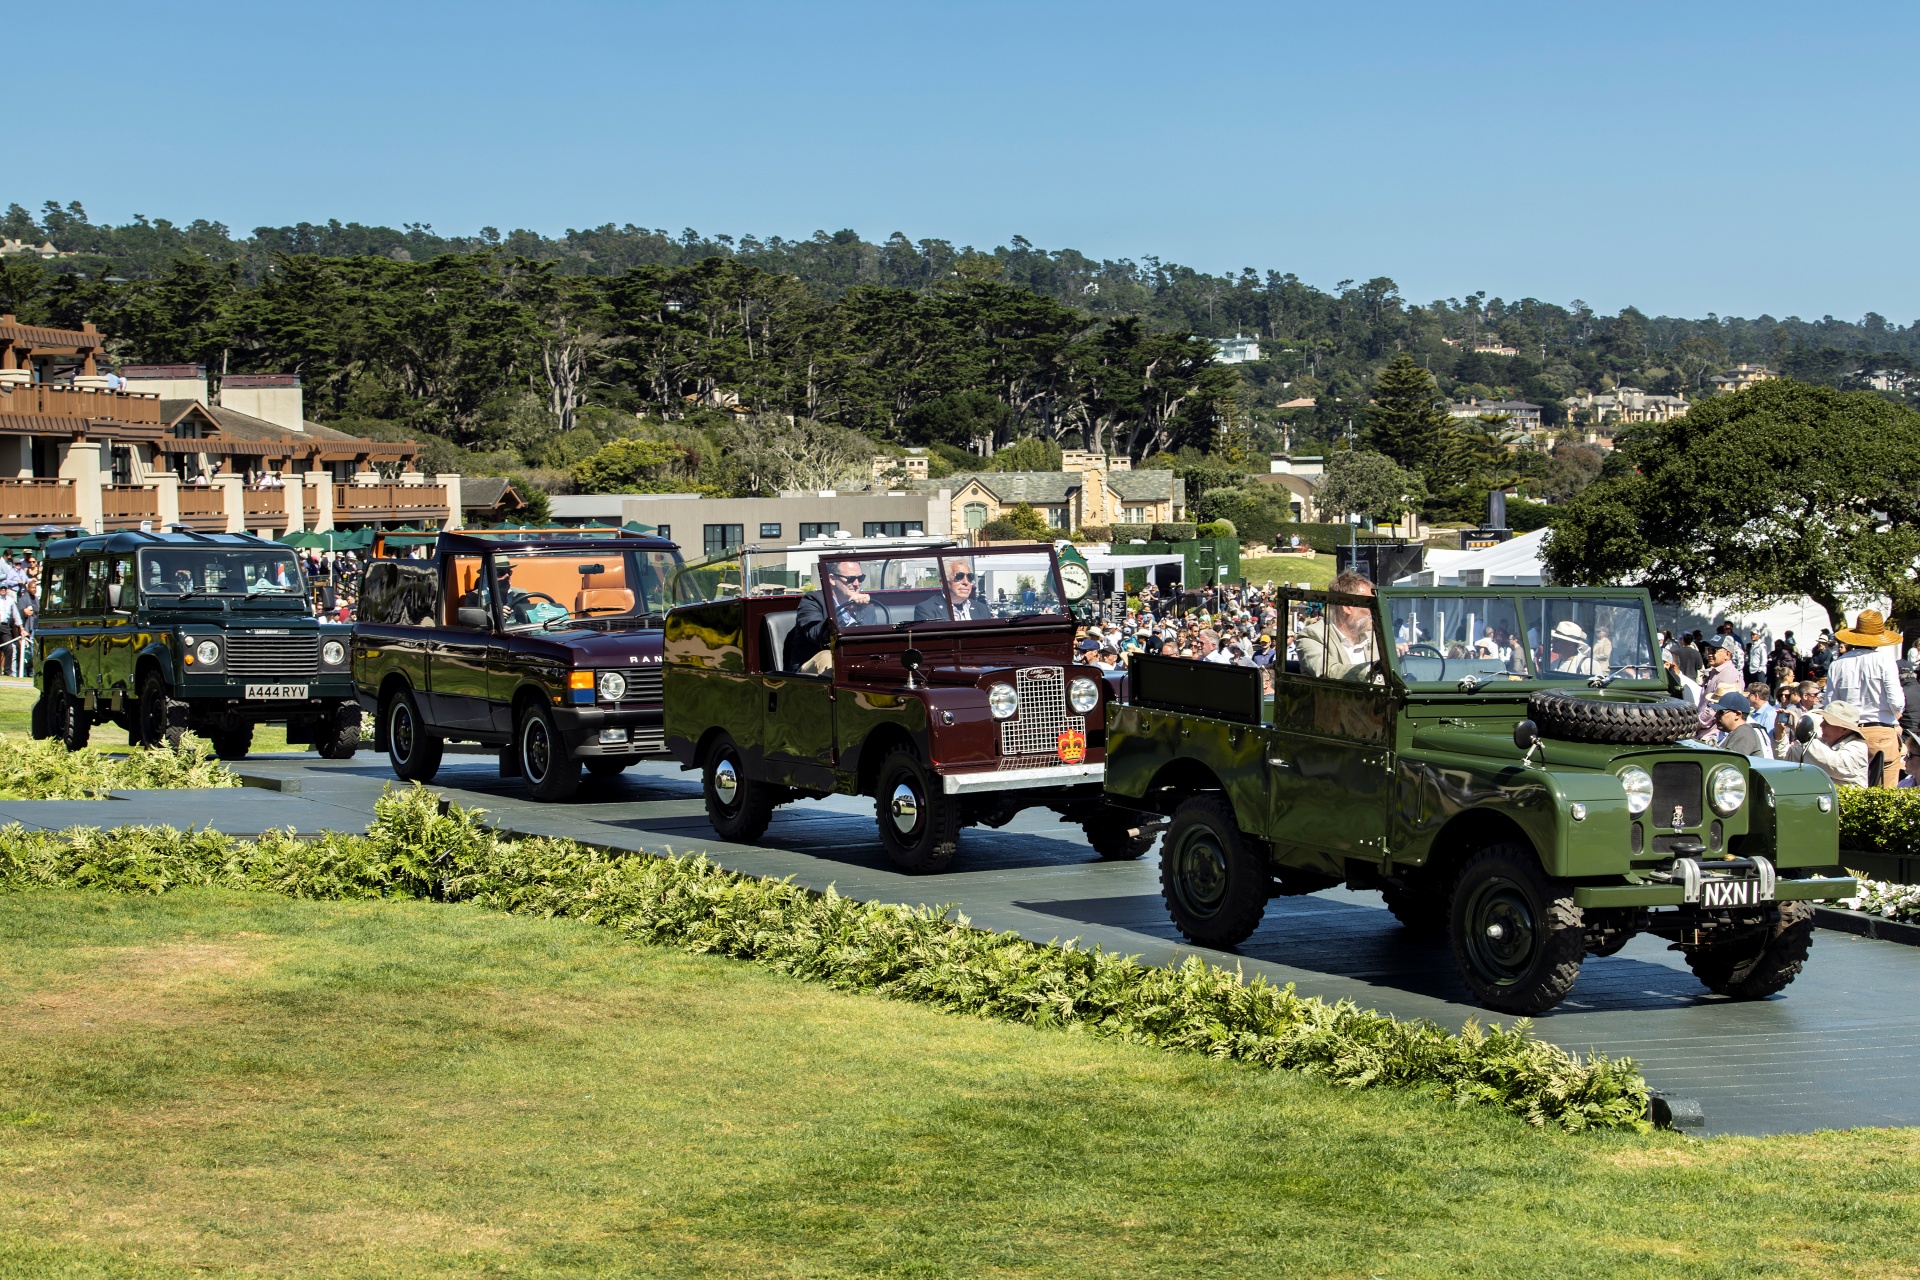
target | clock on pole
[{"x": 1075, "y": 578}]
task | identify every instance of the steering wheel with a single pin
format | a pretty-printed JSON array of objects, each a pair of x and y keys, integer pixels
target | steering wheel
[
  {"x": 520, "y": 606},
  {"x": 1421, "y": 649}
]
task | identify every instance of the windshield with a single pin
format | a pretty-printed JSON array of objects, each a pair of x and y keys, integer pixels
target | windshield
[
  {"x": 973, "y": 586},
  {"x": 1481, "y": 639},
  {"x": 602, "y": 590},
  {"x": 184, "y": 572}
]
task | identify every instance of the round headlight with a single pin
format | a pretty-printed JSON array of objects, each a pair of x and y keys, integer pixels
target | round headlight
[
  {"x": 613, "y": 686},
  {"x": 1726, "y": 790},
  {"x": 333, "y": 653},
  {"x": 1003, "y": 700},
  {"x": 206, "y": 653},
  {"x": 1639, "y": 787},
  {"x": 1083, "y": 694}
]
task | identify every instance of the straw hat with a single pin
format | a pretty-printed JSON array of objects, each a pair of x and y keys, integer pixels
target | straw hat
[
  {"x": 1869, "y": 631},
  {"x": 1569, "y": 630},
  {"x": 1843, "y": 715}
]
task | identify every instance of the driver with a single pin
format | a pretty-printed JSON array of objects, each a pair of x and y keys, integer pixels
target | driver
[
  {"x": 1344, "y": 649},
  {"x": 814, "y": 620},
  {"x": 518, "y": 606},
  {"x": 963, "y": 601}
]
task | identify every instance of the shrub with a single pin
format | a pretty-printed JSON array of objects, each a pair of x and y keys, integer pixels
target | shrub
[
  {"x": 1094, "y": 533},
  {"x": 1218, "y": 529},
  {"x": 46, "y": 770},
  {"x": 1880, "y": 820},
  {"x": 421, "y": 847},
  {"x": 1180, "y": 531},
  {"x": 1018, "y": 523}
]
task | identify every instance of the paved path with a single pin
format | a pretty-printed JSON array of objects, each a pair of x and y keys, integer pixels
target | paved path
[{"x": 1835, "y": 1050}]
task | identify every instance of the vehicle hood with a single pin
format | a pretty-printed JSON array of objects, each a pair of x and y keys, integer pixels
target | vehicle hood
[
  {"x": 1494, "y": 742},
  {"x": 979, "y": 675},
  {"x": 611, "y": 648}
]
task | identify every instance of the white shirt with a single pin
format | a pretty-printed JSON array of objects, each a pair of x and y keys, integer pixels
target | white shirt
[{"x": 1869, "y": 679}]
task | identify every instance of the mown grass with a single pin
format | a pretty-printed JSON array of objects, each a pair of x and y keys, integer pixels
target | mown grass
[
  {"x": 1316, "y": 570},
  {"x": 16, "y": 705},
  {"x": 212, "y": 1082}
]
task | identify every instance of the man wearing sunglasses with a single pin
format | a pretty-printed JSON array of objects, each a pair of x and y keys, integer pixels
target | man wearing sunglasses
[
  {"x": 816, "y": 618},
  {"x": 963, "y": 603}
]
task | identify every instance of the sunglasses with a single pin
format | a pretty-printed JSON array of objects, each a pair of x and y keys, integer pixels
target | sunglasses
[
  {"x": 961, "y": 577},
  {"x": 851, "y": 577}
]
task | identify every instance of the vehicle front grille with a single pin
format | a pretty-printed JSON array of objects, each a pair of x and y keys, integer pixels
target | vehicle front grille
[
  {"x": 1036, "y": 728},
  {"x": 650, "y": 738},
  {"x": 257, "y": 657},
  {"x": 1676, "y": 785},
  {"x": 643, "y": 684}
]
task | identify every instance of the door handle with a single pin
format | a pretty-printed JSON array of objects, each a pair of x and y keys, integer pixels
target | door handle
[
  {"x": 1275, "y": 762},
  {"x": 773, "y": 700}
]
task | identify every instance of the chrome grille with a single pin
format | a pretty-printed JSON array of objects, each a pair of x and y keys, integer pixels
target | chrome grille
[
  {"x": 1676, "y": 785},
  {"x": 258, "y": 657},
  {"x": 644, "y": 684},
  {"x": 1035, "y": 729}
]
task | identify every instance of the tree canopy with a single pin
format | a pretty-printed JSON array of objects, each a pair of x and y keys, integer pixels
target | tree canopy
[{"x": 1781, "y": 490}]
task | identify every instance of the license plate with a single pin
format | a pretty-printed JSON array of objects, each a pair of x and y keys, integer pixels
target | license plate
[
  {"x": 276, "y": 691},
  {"x": 1730, "y": 893}
]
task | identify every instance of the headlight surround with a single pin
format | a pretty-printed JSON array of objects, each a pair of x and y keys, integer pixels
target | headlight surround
[
  {"x": 333, "y": 653},
  {"x": 1003, "y": 700},
  {"x": 1726, "y": 790},
  {"x": 612, "y": 686},
  {"x": 1083, "y": 695},
  {"x": 206, "y": 653},
  {"x": 1639, "y": 788}
]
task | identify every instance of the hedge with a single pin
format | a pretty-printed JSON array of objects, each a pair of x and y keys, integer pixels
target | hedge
[
  {"x": 1881, "y": 820},
  {"x": 421, "y": 848},
  {"x": 46, "y": 770}
]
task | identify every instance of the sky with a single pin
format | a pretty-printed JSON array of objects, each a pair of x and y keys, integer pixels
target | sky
[{"x": 1682, "y": 158}]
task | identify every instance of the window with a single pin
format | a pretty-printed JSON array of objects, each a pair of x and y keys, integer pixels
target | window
[
  {"x": 891, "y": 528},
  {"x": 61, "y": 588},
  {"x": 1056, "y": 517},
  {"x": 769, "y": 530},
  {"x": 722, "y": 538},
  {"x": 664, "y": 531},
  {"x": 121, "y": 464},
  {"x": 808, "y": 532},
  {"x": 1137, "y": 515},
  {"x": 973, "y": 515}
]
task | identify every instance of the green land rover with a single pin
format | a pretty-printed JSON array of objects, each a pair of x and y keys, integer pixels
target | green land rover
[
  {"x": 1506, "y": 765},
  {"x": 162, "y": 633}
]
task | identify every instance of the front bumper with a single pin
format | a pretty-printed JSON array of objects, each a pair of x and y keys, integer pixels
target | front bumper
[
  {"x": 581, "y": 729},
  {"x": 1050, "y": 776},
  {"x": 214, "y": 690},
  {"x": 1811, "y": 889}
]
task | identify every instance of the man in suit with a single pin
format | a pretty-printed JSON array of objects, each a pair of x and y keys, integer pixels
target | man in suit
[
  {"x": 816, "y": 619},
  {"x": 1342, "y": 646},
  {"x": 963, "y": 599}
]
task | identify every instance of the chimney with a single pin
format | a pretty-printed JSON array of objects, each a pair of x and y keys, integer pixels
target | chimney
[
  {"x": 168, "y": 381},
  {"x": 271, "y": 397}
]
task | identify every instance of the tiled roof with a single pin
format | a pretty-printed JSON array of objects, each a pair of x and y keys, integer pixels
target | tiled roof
[
  {"x": 483, "y": 491},
  {"x": 1143, "y": 486},
  {"x": 1035, "y": 488}
]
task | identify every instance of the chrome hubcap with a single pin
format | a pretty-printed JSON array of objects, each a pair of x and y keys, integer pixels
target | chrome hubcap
[
  {"x": 726, "y": 782},
  {"x": 905, "y": 807},
  {"x": 535, "y": 758},
  {"x": 401, "y": 731}
]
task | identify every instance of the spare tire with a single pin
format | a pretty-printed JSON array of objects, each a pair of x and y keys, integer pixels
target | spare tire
[{"x": 1574, "y": 715}]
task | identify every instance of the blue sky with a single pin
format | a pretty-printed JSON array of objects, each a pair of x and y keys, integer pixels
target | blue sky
[{"x": 1684, "y": 158}]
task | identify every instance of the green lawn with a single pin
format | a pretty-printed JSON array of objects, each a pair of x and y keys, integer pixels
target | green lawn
[
  {"x": 1316, "y": 571},
  {"x": 214, "y": 1083},
  {"x": 16, "y": 702}
]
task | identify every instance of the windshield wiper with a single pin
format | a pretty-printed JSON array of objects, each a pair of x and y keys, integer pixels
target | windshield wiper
[
  {"x": 1601, "y": 682},
  {"x": 1472, "y": 680}
]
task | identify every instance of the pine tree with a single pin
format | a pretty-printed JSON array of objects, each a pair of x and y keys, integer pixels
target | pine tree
[{"x": 1405, "y": 422}]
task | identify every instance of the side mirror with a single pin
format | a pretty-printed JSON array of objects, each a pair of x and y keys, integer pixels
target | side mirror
[
  {"x": 912, "y": 659},
  {"x": 1526, "y": 735},
  {"x": 1804, "y": 731},
  {"x": 113, "y": 595},
  {"x": 478, "y": 619}
]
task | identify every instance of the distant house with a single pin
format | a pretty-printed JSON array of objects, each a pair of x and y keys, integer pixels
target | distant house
[
  {"x": 913, "y": 466},
  {"x": 1887, "y": 379},
  {"x": 1740, "y": 377},
  {"x": 1482, "y": 346},
  {"x": 1302, "y": 487},
  {"x": 1089, "y": 490},
  {"x": 1521, "y": 414},
  {"x": 1625, "y": 405},
  {"x": 489, "y": 500},
  {"x": 1239, "y": 349}
]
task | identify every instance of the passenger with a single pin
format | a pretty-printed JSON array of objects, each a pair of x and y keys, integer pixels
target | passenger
[
  {"x": 1743, "y": 735},
  {"x": 962, "y": 605},
  {"x": 815, "y": 621},
  {"x": 1839, "y": 749},
  {"x": 1568, "y": 652},
  {"x": 1343, "y": 647}
]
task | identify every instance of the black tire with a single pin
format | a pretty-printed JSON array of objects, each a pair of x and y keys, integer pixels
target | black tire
[
  {"x": 739, "y": 807},
  {"x": 1214, "y": 881},
  {"x": 37, "y": 717},
  {"x": 1421, "y": 906},
  {"x": 919, "y": 823},
  {"x": 233, "y": 744},
  {"x": 338, "y": 736},
  {"x": 163, "y": 717},
  {"x": 1517, "y": 936},
  {"x": 549, "y": 768},
  {"x": 67, "y": 721},
  {"x": 1592, "y": 715},
  {"x": 1755, "y": 968},
  {"x": 606, "y": 766},
  {"x": 413, "y": 752},
  {"x": 1121, "y": 836}
]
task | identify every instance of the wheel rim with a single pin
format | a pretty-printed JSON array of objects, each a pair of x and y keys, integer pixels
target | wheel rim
[
  {"x": 1200, "y": 872},
  {"x": 726, "y": 783},
  {"x": 400, "y": 730},
  {"x": 536, "y": 751},
  {"x": 905, "y": 807},
  {"x": 60, "y": 719},
  {"x": 1503, "y": 935},
  {"x": 152, "y": 720}
]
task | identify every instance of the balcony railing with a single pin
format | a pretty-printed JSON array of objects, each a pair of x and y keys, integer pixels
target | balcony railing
[
  {"x": 26, "y": 503},
  {"x": 269, "y": 505},
  {"x": 124, "y": 506},
  {"x": 53, "y": 400},
  {"x": 386, "y": 502},
  {"x": 203, "y": 508}
]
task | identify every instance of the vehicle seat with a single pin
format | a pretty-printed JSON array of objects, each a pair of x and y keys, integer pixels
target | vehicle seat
[
  {"x": 774, "y": 629},
  {"x": 604, "y": 598}
]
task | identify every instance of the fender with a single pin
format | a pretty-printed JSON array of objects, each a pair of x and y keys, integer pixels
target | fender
[
  {"x": 161, "y": 656},
  {"x": 62, "y": 661}
]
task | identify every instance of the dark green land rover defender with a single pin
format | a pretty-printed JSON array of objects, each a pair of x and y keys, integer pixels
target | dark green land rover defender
[
  {"x": 1505, "y": 764},
  {"x": 162, "y": 633}
]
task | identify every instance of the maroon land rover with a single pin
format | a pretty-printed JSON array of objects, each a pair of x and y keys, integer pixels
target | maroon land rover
[{"x": 937, "y": 680}]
